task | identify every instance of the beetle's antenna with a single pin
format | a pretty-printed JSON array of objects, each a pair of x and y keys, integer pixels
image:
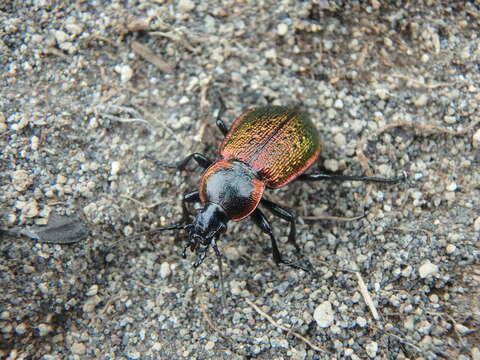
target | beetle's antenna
[{"x": 220, "y": 270}]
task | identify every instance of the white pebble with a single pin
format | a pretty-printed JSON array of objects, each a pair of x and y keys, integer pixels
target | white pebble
[
  {"x": 271, "y": 54},
  {"x": 331, "y": 165},
  {"x": 126, "y": 73},
  {"x": 78, "y": 348},
  {"x": 34, "y": 142},
  {"x": 116, "y": 166},
  {"x": 340, "y": 140},
  {"x": 165, "y": 270},
  {"x": 450, "y": 249},
  {"x": 93, "y": 290},
  {"x": 427, "y": 269},
  {"x": 338, "y": 104},
  {"x": 282, "y": 29},
  {"x": 371, "y": 349},
  {"x": 451, "y": 187},
  {"x": 324, "y": 314},
  {"x": 475, "y": 353},
  {"x": 21, "y": 329},
  {"x": 30, "y": 209},
  {"x": 44, "y": 329},
  {"x": 186, "y": 5},
  {"x": 476, "y": 139},
  {"x": 362, "y": 322},
  {"x": 74, "y": 29},
  {"x": 421, "y": 100},
  {"x": 21, "y": 180},
  {"x": 61, "y": 36},
  {"x": 476, "y": 224}
]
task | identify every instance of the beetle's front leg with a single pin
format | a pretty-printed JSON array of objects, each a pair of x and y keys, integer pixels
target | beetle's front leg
[{"x": 191, "y": 197}]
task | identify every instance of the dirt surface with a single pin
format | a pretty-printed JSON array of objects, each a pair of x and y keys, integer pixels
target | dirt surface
[{"x": 91, "y": 91}]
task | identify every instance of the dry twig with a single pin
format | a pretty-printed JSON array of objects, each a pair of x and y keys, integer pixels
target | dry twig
[
  {"x": 147, "y": 54},
  {"x": 366, "y": 296},
  {"x": 333, "y": 218},
  {"x": 284, "y": 328}
]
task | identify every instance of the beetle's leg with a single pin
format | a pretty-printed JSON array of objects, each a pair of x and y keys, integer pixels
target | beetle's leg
[
  {"x": 221, "y": 125},
  {"x": 191, "y": 197},
  {"x": 285, "y": 214},
  {"x": 202, "y": 160},
  {"x": 262, "y": 222},
  {"x": 320, "y": 176}
]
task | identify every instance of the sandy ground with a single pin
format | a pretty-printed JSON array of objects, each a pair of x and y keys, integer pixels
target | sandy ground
[{"x": 90, "y": 90}]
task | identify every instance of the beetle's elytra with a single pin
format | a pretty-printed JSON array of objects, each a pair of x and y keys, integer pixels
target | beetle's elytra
[{"x": 266, "y": 147}]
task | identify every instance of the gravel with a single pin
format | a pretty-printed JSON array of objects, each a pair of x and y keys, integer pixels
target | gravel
[{"x": 92, "y": 91}]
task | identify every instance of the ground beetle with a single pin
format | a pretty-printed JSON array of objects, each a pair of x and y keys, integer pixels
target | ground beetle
[{"x": 266, "y": 147}]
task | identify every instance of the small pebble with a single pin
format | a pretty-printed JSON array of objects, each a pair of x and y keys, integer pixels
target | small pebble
[
  {"x": 421, "y": 100},
  {"x": 209, "y": 345},
  {"x": 61, "y": 36},
  {"x": 165, "y": 270},
  {"x": 5, "y": 315},
  {"x": 282, "y": 29},
  {"x": 271, "y": 54},
  {"x": 21, "y": 180},
  {"x": 324, "y": 314},
  {"x": 44, "y": 329},
  {"x": 427, "y": 269},
  {"x": 476, "y": 224},
  {"x": 21, "y": 329},
  {"x": 371, "y": 349},
  {"x": 74, "y": 29},
  {"x": 340, "y": 140},
  {"x": 476, "y": 139},
  {"x": 331, "y": 165},
  {"x": 338, "y": 104},
  {"x": 93, "y": 290},
  {"x": 475, "y": 353},
  {"x": 451, "y": 187},
  {"x": 186, "y": 5},
  {"x": 30, "y": 209},
  {"x": 115, "y": 167},
  {"x": 450, "y": 249},
  {"x": 362, "y": 322},
  {"x": 78, "y": 348},
  {"x": 125, "y": 71}
]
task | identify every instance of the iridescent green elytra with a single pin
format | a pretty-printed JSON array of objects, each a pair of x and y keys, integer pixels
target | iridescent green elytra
[{"x": 277, "y": 142}]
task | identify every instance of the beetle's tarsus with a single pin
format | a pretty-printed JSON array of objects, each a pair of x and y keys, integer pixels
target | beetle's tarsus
[{"x": 219, "y": 122}]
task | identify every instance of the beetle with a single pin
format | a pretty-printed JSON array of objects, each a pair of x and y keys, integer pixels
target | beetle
[{"x": 266, "y": 147}]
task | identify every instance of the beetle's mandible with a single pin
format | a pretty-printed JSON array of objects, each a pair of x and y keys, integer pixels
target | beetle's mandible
[{"x": 266, "y": 147}]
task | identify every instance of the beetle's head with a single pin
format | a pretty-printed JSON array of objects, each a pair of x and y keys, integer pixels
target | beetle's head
[{"x": 209, "y": 223}]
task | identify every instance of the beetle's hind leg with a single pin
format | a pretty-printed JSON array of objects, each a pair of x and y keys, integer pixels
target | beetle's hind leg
[
  {"x": 335, "y": 177},
  {"x": 262, "y": 222},
  {"x": 285, "y": 214}
]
